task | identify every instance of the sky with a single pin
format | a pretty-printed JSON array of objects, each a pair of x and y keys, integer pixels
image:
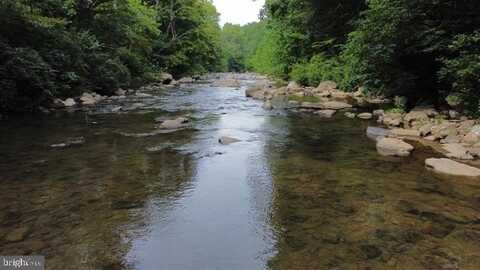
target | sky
[{"x": 238, "y": 11}]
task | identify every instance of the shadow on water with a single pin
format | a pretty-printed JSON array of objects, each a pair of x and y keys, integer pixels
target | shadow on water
[{"x": 339, "y": 205}]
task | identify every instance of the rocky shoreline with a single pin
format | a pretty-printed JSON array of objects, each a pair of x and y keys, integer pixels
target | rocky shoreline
[{"x": 455, "y": 136}]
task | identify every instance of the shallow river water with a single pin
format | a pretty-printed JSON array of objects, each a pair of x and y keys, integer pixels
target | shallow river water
[{"x": 298, "y": 192}]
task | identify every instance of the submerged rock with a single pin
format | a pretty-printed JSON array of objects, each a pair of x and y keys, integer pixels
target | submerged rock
[
  {"x": 17, "y": 235},
  {"x": 350, "y": 115},
  {"x": 178, "y": 123},
  {"x": 326, "y": 113},
  {"x": 450, "y": 167},
  {"x": 225, "y": 140},
  {"x": 393, "y": 147}
]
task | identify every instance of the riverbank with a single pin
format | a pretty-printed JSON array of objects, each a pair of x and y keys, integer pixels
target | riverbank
[{"x": 447, "y": 132}]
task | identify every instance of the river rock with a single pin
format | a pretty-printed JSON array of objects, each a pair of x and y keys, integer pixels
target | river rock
[
  {"x": 415, "y": 118},
  {"x": 450, "y": 167},
  {"x": 294, "y": 87},
  {"x": 444, "y": 129},
  {"x": 256, "y": 91},
  {"x": 334, "y": 105},
  {"x": 401, "y": 132},
  {"x": 225, "y": 140},
  {"x": 312, "y": 105},
  {"x": 227, "y": 83},
  {"x": 165, "y": 78},
  {"x": 58, "y": 104},
  {"x": 393, "y": 147},
  {"x": 453, "y": 114},
  {"x": 350, "y": 115},
  {"x": 178, "y": 123},
  {"x": 87, "y": 99},
  {"x": 378, "y": 113},
  {"x": 376, "y": 132},
  {"x": 471, "y": 138},
  {"x": 391, "y": 119},
  {"x": 186, "y": 80},
  {"x": 450, "y": 139},
  {"x": 340, "y": 95},
  {"x": 17, "y": 234},
  {"x": 326, "y": 113},
  {"x": 365, "y": 116},
  {"x": 120, "y": 92},
  {"x": 326, "y": 87},
  {"x": 466, "y": 126},
  {"x": 425, "y": 129},
  {"x": 69, "y": 102},
  {"x": 456, "y": 150}
]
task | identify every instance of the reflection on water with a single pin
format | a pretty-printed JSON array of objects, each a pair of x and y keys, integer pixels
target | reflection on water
[{"x": 297, "y": 192}]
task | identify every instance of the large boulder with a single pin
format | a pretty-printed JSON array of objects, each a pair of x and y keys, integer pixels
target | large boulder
[
  {"x": 450, "y": 167},
  {"x": 393, "y": 147}
]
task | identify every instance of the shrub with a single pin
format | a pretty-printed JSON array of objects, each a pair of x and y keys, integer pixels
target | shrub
[
  {"x": 461, "y": 73},
  {"x": 319, "y": 68},
  {"x": 26, "y": 79}
]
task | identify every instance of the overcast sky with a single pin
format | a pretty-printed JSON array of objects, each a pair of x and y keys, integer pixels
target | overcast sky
[{"x": 238, "y": 11}]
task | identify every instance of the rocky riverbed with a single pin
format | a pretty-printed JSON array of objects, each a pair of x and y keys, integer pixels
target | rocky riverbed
[
  {"x": 455, "y": 136},
  {"x": 195, "y": 174}
]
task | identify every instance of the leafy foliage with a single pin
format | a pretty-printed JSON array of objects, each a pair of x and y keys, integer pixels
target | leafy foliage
[{"x": 60, "y": 48}]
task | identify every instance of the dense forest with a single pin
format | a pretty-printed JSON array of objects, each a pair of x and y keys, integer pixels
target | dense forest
[
  {"x": 61, "y": 48},
  {"x": 423, "y": 50}
]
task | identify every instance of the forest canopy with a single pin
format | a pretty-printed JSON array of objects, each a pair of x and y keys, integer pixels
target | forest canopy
[
  {"x": 60, "y": 48},
  {"x": 424, "y": 50}
]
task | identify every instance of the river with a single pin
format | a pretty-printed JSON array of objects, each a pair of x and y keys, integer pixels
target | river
[{"x": 297, "y": 191}]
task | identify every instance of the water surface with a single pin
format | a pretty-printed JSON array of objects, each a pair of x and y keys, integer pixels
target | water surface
[{"x": 297, "y": 192}]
